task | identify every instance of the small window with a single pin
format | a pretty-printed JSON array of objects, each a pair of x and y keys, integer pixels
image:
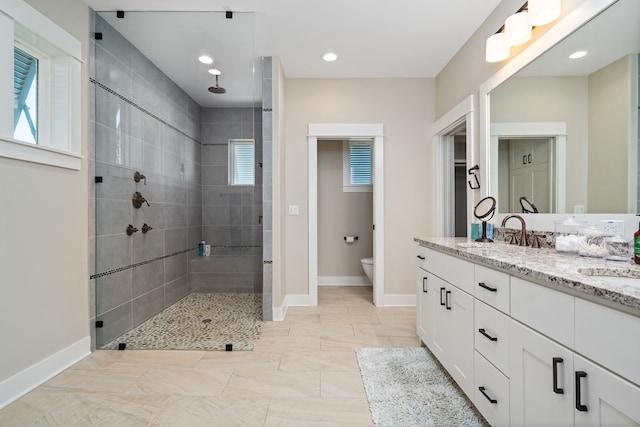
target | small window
[
  {"x": 357, "y": 176},
  {"x": 242, "y": 162},
  {"x": 25, "y": 96}
]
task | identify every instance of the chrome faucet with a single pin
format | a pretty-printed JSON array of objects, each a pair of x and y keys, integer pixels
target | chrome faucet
[{"x": 523, "y": 237}]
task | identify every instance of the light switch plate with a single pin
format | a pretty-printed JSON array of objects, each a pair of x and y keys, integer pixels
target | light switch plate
[{"x": 294, "y": 210}]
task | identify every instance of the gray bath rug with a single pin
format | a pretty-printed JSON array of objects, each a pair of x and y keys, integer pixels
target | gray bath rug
[
  {"x": 407, "y": 387},
  {"x": 200, "y": 321}
]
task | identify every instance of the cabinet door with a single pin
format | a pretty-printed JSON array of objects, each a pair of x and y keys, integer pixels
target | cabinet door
[
  {"x": 424, "y": 310},
  {"x": 605, "y": 399},
  {"x": 459, "y": 306},
  {"x": 541, "y": 380},
  {"x": 440, "y": 333}
]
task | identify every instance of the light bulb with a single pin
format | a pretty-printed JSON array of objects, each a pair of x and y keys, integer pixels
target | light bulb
[
  {"x": 496, "y": 48},
  {"x": 517, "y": 29}
]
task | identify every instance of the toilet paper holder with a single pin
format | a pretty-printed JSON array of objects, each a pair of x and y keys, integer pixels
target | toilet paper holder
[{"x": 350, "y": 239}]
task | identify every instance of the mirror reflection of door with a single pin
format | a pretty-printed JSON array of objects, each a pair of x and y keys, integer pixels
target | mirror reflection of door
[
  {"x": 526, "y": 170},
  {"x": 460, "y": 171}
]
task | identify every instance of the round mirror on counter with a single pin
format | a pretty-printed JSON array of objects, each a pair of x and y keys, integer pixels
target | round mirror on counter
[
  {"x": 484, "y": 211},
  {"x": 527, "y": 205}
]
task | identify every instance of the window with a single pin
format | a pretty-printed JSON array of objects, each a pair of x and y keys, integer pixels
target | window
[
  {"x": 242, "y": 162},
  {"x": 25, "y": 96},
  {"x": 356, "y": 166},
  {"x": 40, "y": 104}
]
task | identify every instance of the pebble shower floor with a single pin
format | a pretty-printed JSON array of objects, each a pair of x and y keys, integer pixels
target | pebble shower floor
[{"x": 200, "y": 321}]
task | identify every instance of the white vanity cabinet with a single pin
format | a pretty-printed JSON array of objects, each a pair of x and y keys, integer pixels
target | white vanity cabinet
[
  {"x": 445, "y": 313},
  {"x": 528, "y": 354}
]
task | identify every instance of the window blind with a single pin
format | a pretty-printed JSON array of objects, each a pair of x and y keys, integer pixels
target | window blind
[
  {"x": 243, "y": 163},
  {"x": 360, "y": 163}
]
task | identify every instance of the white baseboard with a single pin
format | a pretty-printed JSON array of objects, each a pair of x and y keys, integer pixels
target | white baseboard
[
  {"x": 398, "y": 300},
  {"x": 279, "y": 313},
  {"x": 300, "y": 300},
  {"x": 24, "y": 381},
  {"x": 343, "y": 281}
]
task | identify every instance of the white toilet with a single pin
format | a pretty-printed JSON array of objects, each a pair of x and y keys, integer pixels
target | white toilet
[{"x": 367, "y": 266}]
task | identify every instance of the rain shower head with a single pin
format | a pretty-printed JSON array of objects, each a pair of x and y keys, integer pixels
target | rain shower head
[{"x": 217, "y": 88}]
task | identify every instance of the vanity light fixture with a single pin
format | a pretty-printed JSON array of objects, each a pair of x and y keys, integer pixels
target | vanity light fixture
[
  {"x": 542, "y": 12},
  {"x": 517, "y": 28},
  {"x": 205, "y": 59},
  {"x": 578, "y": 54},
  {"x": 329, "y": 57}
]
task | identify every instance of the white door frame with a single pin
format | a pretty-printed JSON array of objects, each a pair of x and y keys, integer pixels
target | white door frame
[
  {"x": 442, "y": 128},
  {"x": 345, "y": 131}
]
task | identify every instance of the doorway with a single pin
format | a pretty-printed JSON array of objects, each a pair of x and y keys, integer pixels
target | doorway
[{"x": 319, "y": 132}]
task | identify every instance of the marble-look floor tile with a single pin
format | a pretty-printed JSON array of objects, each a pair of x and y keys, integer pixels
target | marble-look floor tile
[
  {"x": 348, "y": 319},
  {"x": 180, "y": 382},
  {"x": 221, "y": 361},
  {"x": 273, "y": 383},
  {"x": 318, "y": 412},
  {"x": 99, "y": 359},
  {"x": 341, "y": 384},
  {"x": 211, "y": 411},
  {"x": 287, "y": 343},
  {"x": 160, "y": 358},
  {"x": 318, "y": 330},
  {"x": 93, "y": 381},
  {"x": 347, "y": 343},
  {"x": 319, "y": 361},
  {"x": 385, "y": 330}
]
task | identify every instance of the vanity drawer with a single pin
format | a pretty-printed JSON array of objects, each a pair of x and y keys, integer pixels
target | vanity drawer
[
  {"x": 421, "y": 258},
  {"x": 492, "y": 335},
  {"x": 609, "y": 337},
  {"x": 454, "y": 270},
  {"x": 494, "y": 403},
  {"x": 543, "y": 309},
  {"x": 492, "y": 287}
]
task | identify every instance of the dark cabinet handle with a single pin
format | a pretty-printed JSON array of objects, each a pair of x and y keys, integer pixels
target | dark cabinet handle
[
  {"x": 529, "y": 157},
  {"x": 446, "y": 299},
  {"x": 489, "y": 288},
  {"x": 421, "y": 257},
  {"x": 489, "y": 337},
  {"x": 441, "y": 296},
  {"x": 424, "y": 285},
  {"x": 524, "y": 159},
  {"x": 482, "y": 390},
  {"x": 556, "y": 389},
  {"x": 579, "y": 406}
]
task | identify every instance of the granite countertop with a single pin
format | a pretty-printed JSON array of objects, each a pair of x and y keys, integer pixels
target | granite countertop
[{"x": 555, "y": 269}]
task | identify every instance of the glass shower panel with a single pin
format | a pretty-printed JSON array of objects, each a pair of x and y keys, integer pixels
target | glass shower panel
[{"x": 151, "y": 161}]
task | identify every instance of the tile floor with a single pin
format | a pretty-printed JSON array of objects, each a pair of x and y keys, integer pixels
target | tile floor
[{"x": 302, "y": 372}]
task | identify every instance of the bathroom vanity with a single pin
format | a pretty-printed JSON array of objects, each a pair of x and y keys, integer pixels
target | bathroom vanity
[{"x": 533, "y": 337}]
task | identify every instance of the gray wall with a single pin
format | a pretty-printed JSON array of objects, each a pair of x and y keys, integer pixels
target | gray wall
[
  {"x": 143, "y": 122},
  {"x": 231, "y": 215}
]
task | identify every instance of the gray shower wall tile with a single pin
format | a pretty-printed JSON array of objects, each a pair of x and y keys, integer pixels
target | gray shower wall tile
[
  {"x": 114, "y": 216},
  {"x": 174, "y": 142},
  {"x": 267, "y": 62},
  {"x": 221, "y": 215},
  {"x": 176, "y": 240},
  {"x": 267, "y": 245},
  {"x": 267, "y": 216},
  {"x": 222, "y": 235},
  {"x": 195, "y": 236},
  {"x": 153, "y": 131},
  {"x": 135, "y": 153},
  {"x": 176, "y": 290},
  {"x": 113, "y": 42},
  {"x": 151, "y": 158},
  {"x": 215, "y": 175},
  {"x": 153, "y": 216},
  {"x": 174, "y": 166},
  {"x": 147, "y": 246},
  {"x": 215, "y": 155},
  {"x": 114, "y": 251},
  {"x": 220, "y": 132},
  {"x": 175, "y": 267},
  {"x": 147, "y": 305},
  {"x": 221, "y": 195},
  {"x": 221, "y": 115},
  {"x": 247, "y": 131},
  {"x": 113, "y": 290},
  {"x": 176, "y": 193},
  {"x": 147, "y": 70},
  {"x": 194, "y": 194},
  {"x": 267, "y": 93},
  {"x": 176, "y": 215},
  {"x": 114, "y": 73},
  {"x": 116, "y": 322},
  {"x": 145, "y": 95},
  {"x": 148, "y": 277},
  {"x": 194, "y": 215}
]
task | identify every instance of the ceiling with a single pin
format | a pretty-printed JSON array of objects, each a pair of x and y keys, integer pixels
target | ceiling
[{"x": 372, "y": 38}]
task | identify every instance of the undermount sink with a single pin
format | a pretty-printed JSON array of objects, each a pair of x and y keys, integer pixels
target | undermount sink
[{"x": 614, "y": 275}]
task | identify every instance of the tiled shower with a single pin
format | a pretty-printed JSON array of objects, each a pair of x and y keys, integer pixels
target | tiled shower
[{"x": 143, "y": 123}]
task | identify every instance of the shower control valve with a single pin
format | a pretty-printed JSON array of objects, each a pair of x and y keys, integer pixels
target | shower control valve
[
  {"x": 138, "y": 200},
  {"x": 131, "y": 229}
]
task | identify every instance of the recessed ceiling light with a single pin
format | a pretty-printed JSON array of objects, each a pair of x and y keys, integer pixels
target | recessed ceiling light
[
  {"x": 329, "y": 56},
  {"x": 205, "y": 59},
  {"x": 578, "y": 54},
  {"x": 214, "y": 71}
]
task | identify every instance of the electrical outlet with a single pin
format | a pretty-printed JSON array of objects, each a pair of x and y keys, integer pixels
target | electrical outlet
[{"x": 613, "y": 226}]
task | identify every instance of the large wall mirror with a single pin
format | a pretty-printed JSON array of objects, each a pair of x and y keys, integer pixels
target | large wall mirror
[{"x": 563, "y": 133}]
